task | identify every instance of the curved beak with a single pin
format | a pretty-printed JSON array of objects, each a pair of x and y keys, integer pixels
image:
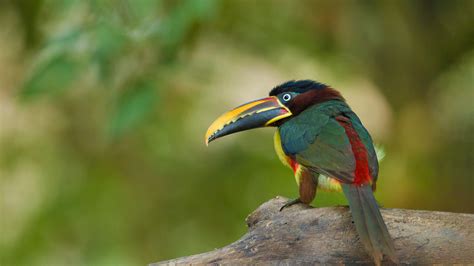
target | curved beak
[{"x": 259, "y": 113}]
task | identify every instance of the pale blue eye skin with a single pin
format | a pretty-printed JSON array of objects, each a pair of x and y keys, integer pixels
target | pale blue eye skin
[{"x": 286, "y": 97}]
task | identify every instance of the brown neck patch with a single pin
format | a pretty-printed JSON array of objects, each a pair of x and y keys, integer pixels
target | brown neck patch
[{"x": 312, "y": 97}]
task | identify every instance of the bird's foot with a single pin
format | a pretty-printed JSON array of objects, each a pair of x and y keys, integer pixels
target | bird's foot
[{"x": 289, "y": 203}]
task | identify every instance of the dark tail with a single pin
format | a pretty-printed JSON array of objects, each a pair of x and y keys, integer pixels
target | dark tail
[{"x": 369, "y": 222}]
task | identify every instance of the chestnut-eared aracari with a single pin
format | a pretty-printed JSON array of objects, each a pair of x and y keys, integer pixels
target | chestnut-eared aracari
[{"x": 325, "y": 144}]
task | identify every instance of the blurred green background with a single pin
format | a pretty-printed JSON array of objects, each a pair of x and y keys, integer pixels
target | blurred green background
[{"x": 104, "y": 106}]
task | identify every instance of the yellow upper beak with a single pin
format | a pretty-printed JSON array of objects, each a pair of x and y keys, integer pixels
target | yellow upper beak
[{"x": 258, "y": 113}]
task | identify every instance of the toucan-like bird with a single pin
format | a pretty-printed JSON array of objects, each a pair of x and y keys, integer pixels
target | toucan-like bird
[{"x": 325, "y": 144}]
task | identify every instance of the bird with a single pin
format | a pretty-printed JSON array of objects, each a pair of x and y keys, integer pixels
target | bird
[{"x": 326, "y": 146}]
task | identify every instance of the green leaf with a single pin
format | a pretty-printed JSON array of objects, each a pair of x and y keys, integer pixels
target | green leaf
[
  {"x": 52, "y": 77},
  {"x": 181, "y": 23},
  {"x": 62, "y": 42},
  {"x": 132, "y": 108},
  {"x": 108, "y": 42},
  {"x": 143, "y": 8}
]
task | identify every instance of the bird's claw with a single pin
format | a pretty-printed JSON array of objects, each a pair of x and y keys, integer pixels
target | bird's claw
[{"x": 289, "y": 203}]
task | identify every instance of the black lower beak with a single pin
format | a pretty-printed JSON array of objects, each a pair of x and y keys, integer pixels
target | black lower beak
[{"x": 259, "y": 113}]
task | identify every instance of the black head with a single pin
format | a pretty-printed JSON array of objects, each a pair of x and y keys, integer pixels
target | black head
[
  {"x": 298, "y": 95},
  {"x": 297, "y": 86}
]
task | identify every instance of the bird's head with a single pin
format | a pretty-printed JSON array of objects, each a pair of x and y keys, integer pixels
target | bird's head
[{"x": 284, "y": 102}]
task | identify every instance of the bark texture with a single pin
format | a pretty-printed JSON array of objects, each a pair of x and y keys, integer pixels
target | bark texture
[{"x": 304, "y": 235}]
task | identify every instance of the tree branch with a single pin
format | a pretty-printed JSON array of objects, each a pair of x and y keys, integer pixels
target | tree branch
[{"x": 301, "y": 234}]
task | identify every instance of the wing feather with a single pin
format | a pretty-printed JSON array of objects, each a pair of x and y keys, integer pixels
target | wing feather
[
  {"x": 368, "y": 143},
  {"x": 317, "y": 141}
]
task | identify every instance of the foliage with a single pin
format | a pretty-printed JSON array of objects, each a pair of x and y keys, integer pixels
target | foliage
[{"x": 104, "y": 104}]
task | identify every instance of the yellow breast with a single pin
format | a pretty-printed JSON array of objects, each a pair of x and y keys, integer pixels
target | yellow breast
[
  {"x": 324, "y": 182},
  {"x": 279, "y": 149}
]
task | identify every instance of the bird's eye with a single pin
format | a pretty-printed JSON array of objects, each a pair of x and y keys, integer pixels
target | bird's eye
[{"x": 286, "y": 97}]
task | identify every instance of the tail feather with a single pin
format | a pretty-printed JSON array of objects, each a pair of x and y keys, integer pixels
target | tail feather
[{"x": 369, "y": 223}]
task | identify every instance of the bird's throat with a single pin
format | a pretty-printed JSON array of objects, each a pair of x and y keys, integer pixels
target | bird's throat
[{"x": 285, "y": 159}]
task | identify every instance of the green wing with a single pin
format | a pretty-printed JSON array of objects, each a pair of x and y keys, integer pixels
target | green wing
[{"x": 317, "y": 141}]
